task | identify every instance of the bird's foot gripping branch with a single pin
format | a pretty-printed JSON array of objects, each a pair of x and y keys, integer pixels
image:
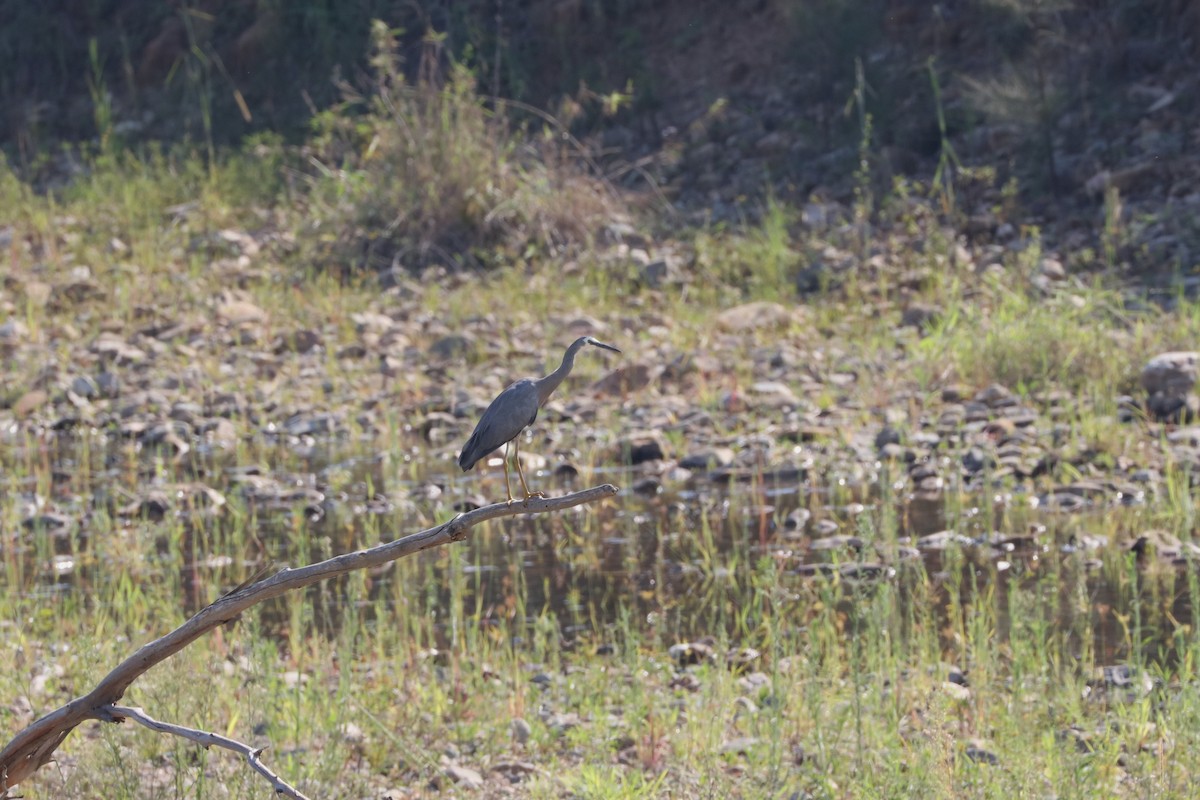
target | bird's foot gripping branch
[{"x": 35, "y": 746}]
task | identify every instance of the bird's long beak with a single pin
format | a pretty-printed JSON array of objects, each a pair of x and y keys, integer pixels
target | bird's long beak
[{"x": 605, "y": 346}]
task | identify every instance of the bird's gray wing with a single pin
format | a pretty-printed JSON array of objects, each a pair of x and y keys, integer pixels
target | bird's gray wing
[{"x": 512, "y": 411}]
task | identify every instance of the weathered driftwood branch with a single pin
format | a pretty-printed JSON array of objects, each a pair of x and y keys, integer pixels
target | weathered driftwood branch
[
  {"x": 203, "y": 738},
  {"x": 33, "y": 747}
]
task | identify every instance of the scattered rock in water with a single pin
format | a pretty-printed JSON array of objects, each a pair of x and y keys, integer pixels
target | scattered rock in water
[
  {"x": 154, "y": 505},
  {"x": 690, "y": 653},
  {"x": 1062, "y": 502},
  {"x": 1120, "y": 681},
  {"x": 741, "y": 660},
  {"x": 310, "y": 424},
  {"x": 824, "y": 528},
  {"x": 708, "y": 459},
  {"x": 687, "y": 681},
  {"x": 943, "y": 539},
  {"x": 954, "y": 675},
  {"x": 866, "y": 571},
  {"x": 753, "y": 682},
  {"x": 640, "y": 448},
  {"x": 837, "y": 542},
  {"x": 647, "y": 487},
  {"x": 977, "y": 460},
  {"x": 733, "y": 475},
  {"x": 1159, "y": 544},
  {"x": 566, "y": 471},
  {"x": 797, "y": 520},
  {"x": 1015, "y": 542},
  {"x": 50, "y": 522}
]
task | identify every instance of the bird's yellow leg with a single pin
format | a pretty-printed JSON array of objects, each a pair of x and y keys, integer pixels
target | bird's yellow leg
[
  {"x": 520, "y": 474},
  {"x": 507, "y": 485}
]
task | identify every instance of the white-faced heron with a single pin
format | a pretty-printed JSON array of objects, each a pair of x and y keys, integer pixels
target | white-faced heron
[{"x": 513, "y": 411}]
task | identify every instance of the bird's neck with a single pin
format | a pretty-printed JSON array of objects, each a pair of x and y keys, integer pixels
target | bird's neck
[{"x": 548, "y": 384}]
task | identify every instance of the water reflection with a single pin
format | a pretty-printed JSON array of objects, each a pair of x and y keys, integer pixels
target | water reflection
[{"x": 676, "y": 563}]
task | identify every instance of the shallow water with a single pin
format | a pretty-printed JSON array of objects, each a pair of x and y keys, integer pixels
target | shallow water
[{"x": 677, "y": 563}]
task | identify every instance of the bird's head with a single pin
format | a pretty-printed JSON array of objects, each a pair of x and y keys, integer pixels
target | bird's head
[{"x": 598, "y": 343}]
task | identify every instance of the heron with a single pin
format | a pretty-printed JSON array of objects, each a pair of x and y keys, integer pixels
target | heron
[{"x": 514, "y": 410}]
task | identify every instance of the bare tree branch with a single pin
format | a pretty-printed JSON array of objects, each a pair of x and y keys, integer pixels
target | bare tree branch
[
  {"x": 203, "y": 738},
  {"x": 33, "y": 747}
]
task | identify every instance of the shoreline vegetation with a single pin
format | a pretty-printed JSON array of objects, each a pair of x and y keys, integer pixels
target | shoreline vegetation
[{"x": 907, "y": 458}]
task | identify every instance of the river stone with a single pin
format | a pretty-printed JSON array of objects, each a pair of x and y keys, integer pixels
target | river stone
[
  {"x": 739, "y": 746},
  {"x": 977, "y": 752},
  {"x": 919, "y": 315},
  {"x": 956, "y": 691},
  {"x": 13, "y": 332},
  {"x": 887, "y": 435},
  {"x": 108, "y": 383},
  {"x": 838, "y": 541},
  {"x": 1053, "y": 269},
  {"x": 657, "y": 273},
  {"x": 977, "y": 459},
  {"x": 761, "y": 314},
  {"x": 626, "y": 379},
  {"x": 521, "y": 730},
  {"x": 995, "y": 396},
  {"x": 240, "y": 312},
  {"x": 798, "y": 520},
  {"x": 84, "y": 386},
  {"x": 451, "y": 347},
  {"x": 708, "y": 459},
  {"x": 300, "y": 341},
  {"x": 29, "y": 402},
  {"x": 943, "y": 539},
  {"x": 1178, "y": 409},
  {"x": 825, "y": 527},
  {"x": 641, "y": 448},
  {"x": 1171, "y": 373},
  {"x": 48, "y": 521},
  {"x": 464, "y": 776}
]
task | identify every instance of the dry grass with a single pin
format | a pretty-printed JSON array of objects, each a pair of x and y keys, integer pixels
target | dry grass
[{"x": 429, "y": 174}]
